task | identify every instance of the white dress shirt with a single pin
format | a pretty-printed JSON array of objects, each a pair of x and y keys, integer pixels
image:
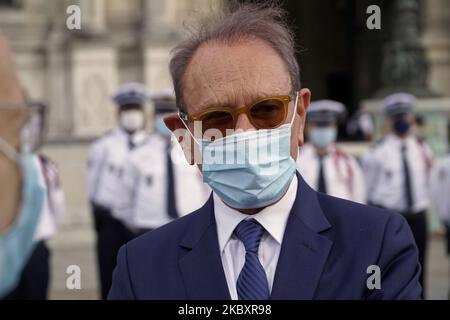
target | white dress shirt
[
  {"x": 440, "y": 188},
  {"x": 232, "y": 251},
  {"x": 385, "y": 179},
  {"x": 343, "y": 175}
]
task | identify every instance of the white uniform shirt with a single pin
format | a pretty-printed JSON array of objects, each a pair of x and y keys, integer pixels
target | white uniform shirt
[
  {"x": 343, "y": 176},
  {"x": 232, "y": 251},
  {"x": 54, "y": 204},
  {"x": 440, "y": 188},
  {"x": 141, "y": 201},
  {"x": 106, "y": 164},
  {"x": 383, "y": 168}
]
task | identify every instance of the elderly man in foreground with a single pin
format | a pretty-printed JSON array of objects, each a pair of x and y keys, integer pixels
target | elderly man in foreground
[{"x": 264, "y": 233}]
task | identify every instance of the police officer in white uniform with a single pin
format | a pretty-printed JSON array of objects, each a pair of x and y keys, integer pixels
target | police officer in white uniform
[
  {"x": 439, "y": 193},
  {"x": 397, "y": 169},
  {"x": 105, "y": 169},
  {"x": 321, "y": 163},
  {"x": 34, "y": 281},
  {"x": 158, "y": 185}
]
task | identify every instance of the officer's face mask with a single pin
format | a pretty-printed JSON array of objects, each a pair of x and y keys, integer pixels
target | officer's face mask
[
  {"x": 322, "y": 137},
  {"x": 402, "y": 125},
  {"x": 251, "y": 169},
  {"x": 161, "y": 127},
  {"x": 132, "y": 120},
  {"x": 17, "y": 243}
]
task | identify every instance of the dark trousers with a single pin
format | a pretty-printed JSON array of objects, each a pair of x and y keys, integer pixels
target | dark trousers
[
  {"x": 447, "y": 236},
  {"x": 111, "y": 235},
  {"x": 34, "y": 279},
  {"x": 418, "y": 225}
]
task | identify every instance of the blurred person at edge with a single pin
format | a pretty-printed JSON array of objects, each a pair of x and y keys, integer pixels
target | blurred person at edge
[
  {"x": 105, "y": 167},
  {"x": 361, "y": 126},
  {"x": 439, "y": 194},
  {"x": 324, "y": 166},
  {"x": 263, "y": 233},
  {"x": 34, "y": 280},
  {"x": 156, "y": 177},
  {"x": 419, "y": 128},
  {"x": 397, "y": 170},
  {"x": 22, "y": 192}
]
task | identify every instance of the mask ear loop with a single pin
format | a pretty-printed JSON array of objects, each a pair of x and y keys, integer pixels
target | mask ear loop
[
  {"x": 9, "y": 151},
  {"x": 199, "y": 145},
  {"x": 187, "y": 128},
  {"x": 295, "y": 109}
]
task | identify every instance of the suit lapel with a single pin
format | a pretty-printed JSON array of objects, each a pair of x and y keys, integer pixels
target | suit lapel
[
  {"x": 302, "y": 258},
  {"x": 201, "y": 267},
  {"x": 304, "y": 251}
]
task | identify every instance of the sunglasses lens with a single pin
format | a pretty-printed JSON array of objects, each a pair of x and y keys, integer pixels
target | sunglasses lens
[
  {"x": 217, "y": 120},
  {"x": 268, "y": 114}
]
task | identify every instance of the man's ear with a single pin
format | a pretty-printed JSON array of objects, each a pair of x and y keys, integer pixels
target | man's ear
[
  {"x": 304, "y": 99},
  {"x": 174, "y": 123}
]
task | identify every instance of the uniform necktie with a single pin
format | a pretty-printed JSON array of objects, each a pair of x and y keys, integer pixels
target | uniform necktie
[
  {"x": 252, "y": 281},
  {"x": 321, "y": 187},
  {"x": 171, "y": 198},
  {"x": 407, "y": 180},
  {"x": 131, "y": 144}
]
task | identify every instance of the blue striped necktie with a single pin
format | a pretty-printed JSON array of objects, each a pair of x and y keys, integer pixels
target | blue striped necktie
[{"x": 252, "y": 281}]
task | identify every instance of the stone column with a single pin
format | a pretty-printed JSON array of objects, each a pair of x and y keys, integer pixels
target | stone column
[
  {"x": 59, "y": 94},
  {"x": 57, "y": 76},
  {"x": 160, "y": 18},
  {"x": 82, "y": 73},
  {"x": 93, "y": 16},
  {"x": 163, "y": 29},
  {"x": 437, "y": 43},
  {"x": 404, "y": 64},
  {"x": 158, "y": 38}
]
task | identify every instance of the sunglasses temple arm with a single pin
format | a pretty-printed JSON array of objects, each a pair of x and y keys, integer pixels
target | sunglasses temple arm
[
  {"x": 295, "y": 108},
  {"x": 187, "y": 128}
]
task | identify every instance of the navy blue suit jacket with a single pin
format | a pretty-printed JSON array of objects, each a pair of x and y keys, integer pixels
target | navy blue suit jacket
[{"x": 328, "y": 245}]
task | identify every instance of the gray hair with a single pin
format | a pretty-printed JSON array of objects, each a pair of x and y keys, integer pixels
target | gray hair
[{"x": 265, "y": 21}]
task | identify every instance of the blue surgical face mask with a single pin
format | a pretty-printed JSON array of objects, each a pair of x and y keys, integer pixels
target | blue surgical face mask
[
  {"x": 322, "y": 137},
  {"x": 249, "y": 170},
  {"x": 17, "y": 243},
  {"x": 161, "y": 127},
  {"x": 401, "y": 125}
]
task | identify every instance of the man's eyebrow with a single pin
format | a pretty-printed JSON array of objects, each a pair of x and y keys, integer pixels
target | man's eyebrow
[{"x": 252, "y": 99}]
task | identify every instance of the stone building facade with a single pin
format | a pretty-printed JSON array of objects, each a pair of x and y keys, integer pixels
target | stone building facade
[
  {"x": 75, "y": 71},
  {"x": 119, "y": 41}
]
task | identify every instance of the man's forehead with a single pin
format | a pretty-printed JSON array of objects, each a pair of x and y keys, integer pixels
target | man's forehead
[{"x": 224, "y": 74}]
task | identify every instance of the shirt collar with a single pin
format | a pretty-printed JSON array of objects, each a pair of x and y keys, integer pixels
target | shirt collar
[
  {"x": 273, "y": 218},
  {"x": 138, "y": 137},
  {"x": 398, "y": 141}
]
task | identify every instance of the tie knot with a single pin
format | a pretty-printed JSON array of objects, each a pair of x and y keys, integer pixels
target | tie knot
[{"x": 250, "y": 233}]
